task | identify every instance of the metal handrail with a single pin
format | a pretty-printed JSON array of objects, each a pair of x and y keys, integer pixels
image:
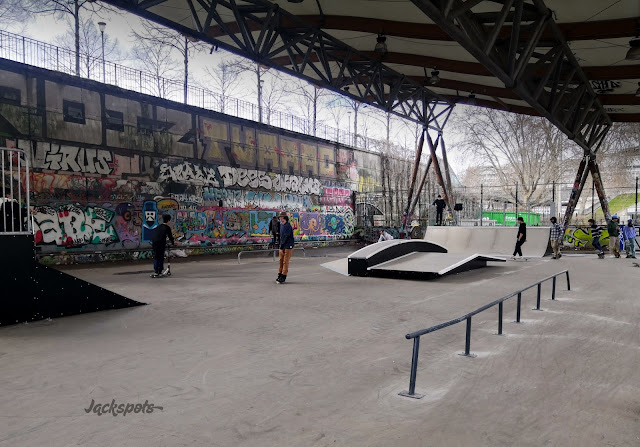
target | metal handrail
[
  {"x": 44, "y": 55},
  {"x": 274, "y": 250},
  {"x": 416, "y": 335}
]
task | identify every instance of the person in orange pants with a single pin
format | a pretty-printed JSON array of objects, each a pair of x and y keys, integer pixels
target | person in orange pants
[{"x": 286, "y": 247}]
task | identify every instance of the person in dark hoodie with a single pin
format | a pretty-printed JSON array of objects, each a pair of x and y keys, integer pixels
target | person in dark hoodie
[
  {"x": 521, "y": 238},
  {"x": 286, "y": 247},
  {"x": 159, "y": 244},
  {"x": 10, "y": 214}
]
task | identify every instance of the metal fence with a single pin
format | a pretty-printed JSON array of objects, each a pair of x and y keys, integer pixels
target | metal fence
[
  {"x": 467, "y": 348},
  {"x": 40, "y": 54},
  {"x": 15, "y": 217}
]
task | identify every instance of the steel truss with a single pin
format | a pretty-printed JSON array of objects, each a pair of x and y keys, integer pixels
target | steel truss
[
  {"x": 262, "y": 31},
  {"x": 545, "y": 74}
]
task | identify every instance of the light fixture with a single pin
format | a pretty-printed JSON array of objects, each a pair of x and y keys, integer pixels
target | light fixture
[
  {"x": 381, "y": 44},
  {"x": 638, "y": 91},
  {"x": 634, "y": 52},
  {"x": 471, "y": 99},
  {"x": 434, "y": 79},
  {"x": 102, "y": 26}
]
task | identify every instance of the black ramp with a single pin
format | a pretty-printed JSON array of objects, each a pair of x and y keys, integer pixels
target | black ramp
[
  {"x": 362, "y": 260},
  {"x": 34, "y": 292}
]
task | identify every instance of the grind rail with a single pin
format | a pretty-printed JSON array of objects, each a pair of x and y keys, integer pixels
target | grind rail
[{"x": 499, "y": 302}]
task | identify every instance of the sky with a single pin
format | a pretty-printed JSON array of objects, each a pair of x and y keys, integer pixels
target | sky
[{"x": 119, "y": 25}]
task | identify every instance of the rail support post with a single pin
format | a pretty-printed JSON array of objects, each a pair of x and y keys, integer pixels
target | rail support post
[
  {"x": 500, "y": 305},
  {"x": 538, "y": 298},
  {"x": 467, "y": 343},
  {"x": 414, "y": 369},
  {"x": 553, "y": 288},
  {"x": 568, "y": 281},
  {"x": 518, "y": 309}
]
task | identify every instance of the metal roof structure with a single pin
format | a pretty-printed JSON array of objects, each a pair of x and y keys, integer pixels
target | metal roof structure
[{"x": 565, "y": 60}]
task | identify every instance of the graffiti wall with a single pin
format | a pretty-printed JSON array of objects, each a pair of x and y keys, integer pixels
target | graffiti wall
[{"x": 106, "y": 164}]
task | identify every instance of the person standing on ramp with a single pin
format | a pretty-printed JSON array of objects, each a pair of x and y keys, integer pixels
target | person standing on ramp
[
  {"x": 274, "y": 229},
  {"x": 440, "y": 205},
  {"x": 557, "y": 234},
  {"x": 286, "y": 247},
  {"x": 521, "y": 238},
  {"x": 159, "y": 244}
]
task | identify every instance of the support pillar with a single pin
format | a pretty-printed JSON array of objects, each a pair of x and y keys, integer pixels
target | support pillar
[
  {"x": 414, "y": 176},
  {"x": 597, "y": 183},
  {"x": 578, "y": 184},
  {"x": 436, "y": 167}
]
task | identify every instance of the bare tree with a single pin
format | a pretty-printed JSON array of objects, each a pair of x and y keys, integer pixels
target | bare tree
[
  {"x": 158, "y": 61},
  {"x": 91, "y": 47},
  {"x": 225, "y": 77},
  {"x": 307, "y": 99},
  {"x": 516, "y": 149},
  {"x": 152, "y": 34},
  {"x": 69, "y": 9},
  {"x": 12, "y": 13}
]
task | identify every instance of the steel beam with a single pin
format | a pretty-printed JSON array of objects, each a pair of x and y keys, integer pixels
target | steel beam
[
  {"x": 523, "y": 63},
  {"x": 253, "y": 30}
]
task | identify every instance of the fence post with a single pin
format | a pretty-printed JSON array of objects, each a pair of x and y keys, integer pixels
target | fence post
[
  {"x": 500, "y": 318},
  {"x": 553, "y": 289},
  {"x": 414, "y": 370},
  {"x": 518, "y": 310},
  {"x": 24, "y": 52},
  {"x": 57, "y": 59},
  {"x": 568, "y": 282}
]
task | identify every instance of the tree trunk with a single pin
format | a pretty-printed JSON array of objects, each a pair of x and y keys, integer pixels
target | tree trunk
[{"x": 76, "y": 18}]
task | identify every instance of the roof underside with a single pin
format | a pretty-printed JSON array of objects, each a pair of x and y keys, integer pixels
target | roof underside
[{"x": 597, "y": 33}]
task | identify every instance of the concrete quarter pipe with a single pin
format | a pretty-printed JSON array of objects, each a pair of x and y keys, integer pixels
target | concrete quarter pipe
[{"x": 495, "y": 241}]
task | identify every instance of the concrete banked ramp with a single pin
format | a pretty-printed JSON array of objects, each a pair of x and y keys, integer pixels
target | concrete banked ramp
[
  {"x": 411, "y": 258},
  {"x": 494, "y": 241}
]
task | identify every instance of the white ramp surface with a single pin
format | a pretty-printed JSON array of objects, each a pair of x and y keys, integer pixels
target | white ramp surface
[
  {"x": 494, "y": 241},
  {"x": 436, "y": 263}
]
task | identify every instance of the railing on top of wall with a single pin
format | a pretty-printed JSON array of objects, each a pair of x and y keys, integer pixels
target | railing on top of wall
[
  {"x": 14, "y": 218},
  {"x": 467, "y": 348},
  {"x": 41, "y": 54}
]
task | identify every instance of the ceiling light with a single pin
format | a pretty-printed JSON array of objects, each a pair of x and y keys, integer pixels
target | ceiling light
[
  {"x": 381, "y": 44},
  {"x": 435, "y": 79},
  {"x": 634, "y": 52}
]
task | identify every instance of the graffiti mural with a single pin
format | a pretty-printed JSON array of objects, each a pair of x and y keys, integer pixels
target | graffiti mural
[{"x": 71, "y": 225}]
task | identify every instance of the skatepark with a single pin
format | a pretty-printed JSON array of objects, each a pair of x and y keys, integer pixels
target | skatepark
[{"x": 321, "y": 360}]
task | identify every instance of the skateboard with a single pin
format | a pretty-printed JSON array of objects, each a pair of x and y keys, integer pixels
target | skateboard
[
  {"x": 523, "y": 258},
  {"x": 601, "y": 255}
]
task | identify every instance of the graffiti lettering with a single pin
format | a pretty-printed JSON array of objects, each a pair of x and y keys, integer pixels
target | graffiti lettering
[
  {"x": 190, "y": 173},
  {"x": 258, "y": 179},
  {"x": 76, "y": 159},
  {"x": 70, "y": 225}
]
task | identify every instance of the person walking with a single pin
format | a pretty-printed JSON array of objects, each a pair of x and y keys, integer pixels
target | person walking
[
  {"x": 440, "y": 205},
  {"x": 596, "y": 232},
  {"x": 286, "y": 247},
  {"x": 614, "y": 236},
  {"x": 159, "y": 244},
  {"x": 274, "y": 229},
  {"x": 521, "y": 238},
  {"x": 557, "y": 235},
  {"x": 629, "y": 233}
]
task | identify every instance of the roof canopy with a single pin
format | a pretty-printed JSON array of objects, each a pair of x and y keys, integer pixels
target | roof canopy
[{"x": 563, "y": 59}]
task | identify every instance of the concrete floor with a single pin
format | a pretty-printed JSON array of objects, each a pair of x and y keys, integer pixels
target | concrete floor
[{"x": 236, "y": 360}]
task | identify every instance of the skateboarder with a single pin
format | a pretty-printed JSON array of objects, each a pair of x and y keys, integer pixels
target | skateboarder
[
  {"x": 440, "y": 205},
  {"x": 557, "y": 234},
  {"x": 274, "y": 229},
  {"x": 159, "y": 243},
  {"x": 596, "y": 232},
  {"x": 614, "y": 236},
  {"x": 629, "y": 232},
  {"x": 384, "y": 236},
  {"x": 286, "y": 247},
  {"x": 521, "y": 238}
]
